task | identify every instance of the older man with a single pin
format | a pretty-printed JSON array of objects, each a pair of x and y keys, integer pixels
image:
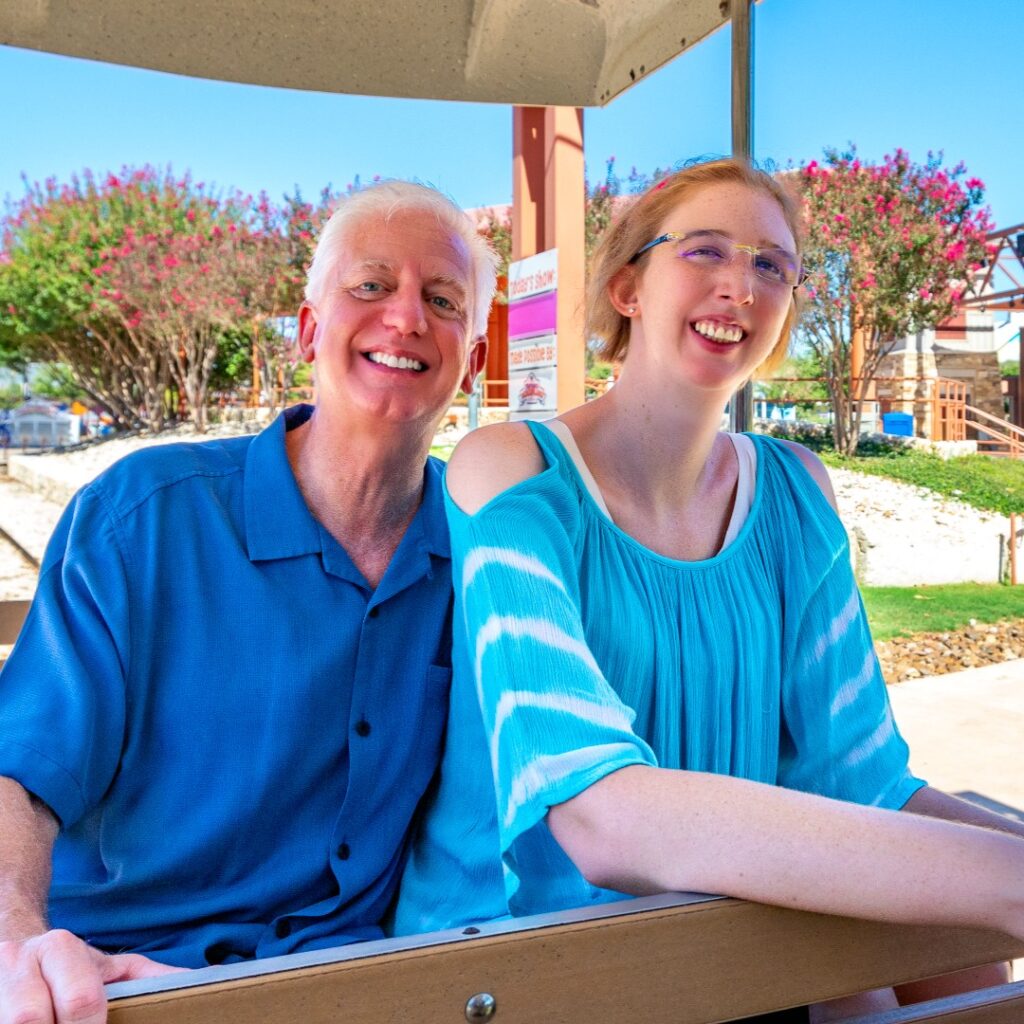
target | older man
[{"x": 229, "y": 695}]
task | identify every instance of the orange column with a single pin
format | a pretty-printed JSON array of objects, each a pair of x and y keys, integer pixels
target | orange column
[{"x": 548, "y": 205}]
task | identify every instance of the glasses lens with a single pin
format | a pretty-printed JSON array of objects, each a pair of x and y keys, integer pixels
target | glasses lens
[
  {"x": 710, "y": 249},
  {"x": 776, "y": 266}
]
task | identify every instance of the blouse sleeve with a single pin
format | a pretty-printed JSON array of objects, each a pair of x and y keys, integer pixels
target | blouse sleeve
[
  {"x": 839, "y": 738},
  {"x": 553, "y": 723}
]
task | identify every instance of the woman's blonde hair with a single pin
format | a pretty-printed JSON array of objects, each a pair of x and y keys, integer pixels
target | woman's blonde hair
[{"x": 640, "y": 222}]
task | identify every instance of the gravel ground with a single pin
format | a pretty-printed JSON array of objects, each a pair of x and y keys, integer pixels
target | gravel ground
[
  {"x": 906, "y": 536},
  {"x": 937, "y": 654}
]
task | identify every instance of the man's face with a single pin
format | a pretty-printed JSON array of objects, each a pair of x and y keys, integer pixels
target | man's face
[{"x": 391, "y": 336}]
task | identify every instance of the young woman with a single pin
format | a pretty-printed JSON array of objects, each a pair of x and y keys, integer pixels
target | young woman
[{"x": 663, "y": 668}]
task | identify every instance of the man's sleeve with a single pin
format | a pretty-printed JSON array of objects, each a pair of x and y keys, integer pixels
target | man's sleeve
[
  {"x": 839, "y": 738},
  {"x": 62, "y": 691},
  {"x": 554, "y": 724}
]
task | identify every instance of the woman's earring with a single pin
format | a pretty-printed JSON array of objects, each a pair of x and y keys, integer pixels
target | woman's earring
[{"x": 632, "y": 310}]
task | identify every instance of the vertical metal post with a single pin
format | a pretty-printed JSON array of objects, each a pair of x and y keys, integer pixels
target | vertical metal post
[
  {"x": 741, "y": 408},
  {"x": 1013, "y": 549}
]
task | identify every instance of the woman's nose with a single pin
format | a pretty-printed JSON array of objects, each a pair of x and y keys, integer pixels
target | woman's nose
[{"x": 736, "y": 279}]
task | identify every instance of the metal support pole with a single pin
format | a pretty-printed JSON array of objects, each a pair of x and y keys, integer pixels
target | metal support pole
[
  {"x": 1013, "y": 549},
  {"x": 741, "y": 408}
]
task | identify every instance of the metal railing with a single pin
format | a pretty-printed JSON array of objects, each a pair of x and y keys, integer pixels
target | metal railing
[{"x": 1002, "y": 438}]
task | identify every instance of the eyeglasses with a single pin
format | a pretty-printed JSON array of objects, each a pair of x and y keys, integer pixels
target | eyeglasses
[{"x": 708, "y": 250}]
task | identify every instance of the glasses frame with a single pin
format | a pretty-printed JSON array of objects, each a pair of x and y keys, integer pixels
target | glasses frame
[{"x": 751, "y": 250}]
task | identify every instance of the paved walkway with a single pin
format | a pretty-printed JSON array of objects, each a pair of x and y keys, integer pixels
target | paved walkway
[{"x": 966, "y": 732}]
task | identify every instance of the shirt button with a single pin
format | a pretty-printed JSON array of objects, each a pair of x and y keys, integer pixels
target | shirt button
[
  {"x": 344, "y": 852},
  {"x": 283, "y": 928},
  {"x": 374, "y": 612},
  {"x": 362, "y": 727}
]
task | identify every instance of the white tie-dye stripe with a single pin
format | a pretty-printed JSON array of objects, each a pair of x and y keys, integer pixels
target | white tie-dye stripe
[
  {"x": 542, "y": 630},
  {"x": 481, "y": 557},
  {"x": 850, "y": 690},
  {"x": 873, "y": 743},
  {"x": 883, "y": 796},
  {"x": 550, "y": 769},
  {"x": 604, "y": 716},
  {"x": 836, "y": 628}
]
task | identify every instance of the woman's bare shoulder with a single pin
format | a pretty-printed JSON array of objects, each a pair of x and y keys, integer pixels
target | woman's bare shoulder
[
  {"x": 491, "y": 460},
  {"x": 815, "y": 467}
]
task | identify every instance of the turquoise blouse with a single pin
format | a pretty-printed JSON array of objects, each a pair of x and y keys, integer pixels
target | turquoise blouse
[{"x": 578, "y": 651}]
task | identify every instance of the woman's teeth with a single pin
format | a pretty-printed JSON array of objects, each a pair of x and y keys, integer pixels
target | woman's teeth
[
  {"x": 395, "y": 362},
  {"x": 719, "y": 332}
]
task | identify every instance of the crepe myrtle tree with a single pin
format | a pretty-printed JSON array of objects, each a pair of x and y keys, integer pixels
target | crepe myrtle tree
[
  {"x": 52, "y": 240},
  {"x": 133, "y": 280},
  {"x": 890, "y": 249},
  {"x": 76, "y": 262}
]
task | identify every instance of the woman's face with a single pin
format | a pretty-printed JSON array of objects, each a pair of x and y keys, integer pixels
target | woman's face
[{"x": 700, "y": 317}]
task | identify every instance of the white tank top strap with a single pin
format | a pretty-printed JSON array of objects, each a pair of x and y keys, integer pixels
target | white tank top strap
[
  {"x": 746, "y": 478},
  {"x": 564, "y": 434}
]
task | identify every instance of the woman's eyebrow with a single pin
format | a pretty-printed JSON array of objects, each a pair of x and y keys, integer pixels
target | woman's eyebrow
[{"x": 764, "y": 244}]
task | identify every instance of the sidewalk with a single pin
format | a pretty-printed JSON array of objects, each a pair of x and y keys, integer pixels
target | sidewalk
[{"x": 966, "y": 733}]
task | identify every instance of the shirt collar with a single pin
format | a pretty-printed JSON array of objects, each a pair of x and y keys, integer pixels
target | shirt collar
[{"x": 278, "y": 523}]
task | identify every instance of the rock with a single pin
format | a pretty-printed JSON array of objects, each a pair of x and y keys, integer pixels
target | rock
[{"x": 935, "y": 654}]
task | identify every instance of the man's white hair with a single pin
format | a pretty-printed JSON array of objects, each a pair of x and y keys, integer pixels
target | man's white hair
[{"x": 385, "y": 198}]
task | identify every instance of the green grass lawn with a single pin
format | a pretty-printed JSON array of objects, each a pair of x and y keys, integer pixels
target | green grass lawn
[
  {"x": 996, "y": 485},
  {"x": 900, "y": 611}
]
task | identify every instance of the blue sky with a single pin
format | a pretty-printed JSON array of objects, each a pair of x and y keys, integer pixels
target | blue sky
[{"x": 921, "y": 74}]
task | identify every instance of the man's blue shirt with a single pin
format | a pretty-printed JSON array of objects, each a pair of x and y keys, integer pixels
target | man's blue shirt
[{"x": 232, "y": 727}]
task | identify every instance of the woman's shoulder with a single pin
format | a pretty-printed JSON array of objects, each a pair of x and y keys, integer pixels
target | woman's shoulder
[{"x": 489, "y": 461}]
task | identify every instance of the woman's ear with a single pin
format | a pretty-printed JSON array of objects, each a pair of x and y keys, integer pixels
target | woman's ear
[{"x": 622, "y": 292}]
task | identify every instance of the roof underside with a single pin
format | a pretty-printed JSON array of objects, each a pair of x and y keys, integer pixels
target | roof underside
[{"x": 539, "y": 52}]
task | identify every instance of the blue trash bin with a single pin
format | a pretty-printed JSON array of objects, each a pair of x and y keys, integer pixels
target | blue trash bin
[{"x": 898, "y": 423}]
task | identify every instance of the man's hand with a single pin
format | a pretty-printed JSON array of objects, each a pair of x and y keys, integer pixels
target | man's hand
[{"x": 56, "y": 978}]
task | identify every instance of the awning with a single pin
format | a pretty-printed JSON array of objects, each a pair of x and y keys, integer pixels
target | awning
[{"x": 545, "y": 52}]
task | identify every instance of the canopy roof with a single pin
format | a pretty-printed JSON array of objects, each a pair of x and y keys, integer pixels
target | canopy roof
[{"x": 538, "y": 52}]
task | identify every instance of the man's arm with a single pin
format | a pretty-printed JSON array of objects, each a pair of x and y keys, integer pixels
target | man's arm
[
  {"x": 26, "y": 842},
  {"x": 933, "y": 803},
  {"x": 49, "y": 977}
]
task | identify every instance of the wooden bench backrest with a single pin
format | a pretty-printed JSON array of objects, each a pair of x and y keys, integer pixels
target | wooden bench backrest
[
  {"x": 12, "y": 615},
  {"x": 694, "y": 963}
]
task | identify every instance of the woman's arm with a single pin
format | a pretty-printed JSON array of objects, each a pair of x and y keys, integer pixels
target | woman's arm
[{"x": 644, "y": 830}]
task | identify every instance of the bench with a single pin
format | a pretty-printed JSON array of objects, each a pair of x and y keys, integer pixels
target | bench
[
  {"x": 670, "y": 959},
  {"x": 12, "y": 615}
]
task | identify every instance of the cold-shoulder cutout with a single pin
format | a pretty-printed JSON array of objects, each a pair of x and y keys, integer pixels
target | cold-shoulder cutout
[
  {"x": 814, "y": 466},
  {"x": 489, "y": 461}
]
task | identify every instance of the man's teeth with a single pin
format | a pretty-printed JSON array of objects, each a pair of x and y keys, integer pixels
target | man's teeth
[
  {"x": 718, "y": 332},
  {"x": 395, "y": 362}
]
